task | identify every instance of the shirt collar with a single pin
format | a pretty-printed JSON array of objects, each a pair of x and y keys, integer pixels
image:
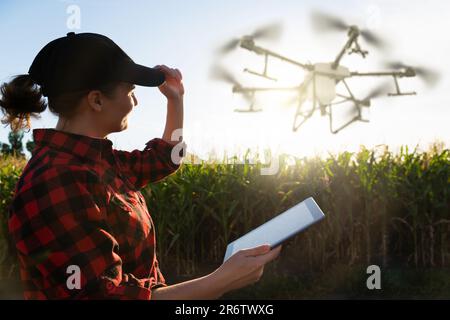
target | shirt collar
[{"x": 79, "y": 145}]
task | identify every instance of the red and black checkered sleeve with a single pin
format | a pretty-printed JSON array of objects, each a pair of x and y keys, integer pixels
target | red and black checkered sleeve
[
  {"x": 158, "y": 160},
  {"x": 58, "y": 226}
]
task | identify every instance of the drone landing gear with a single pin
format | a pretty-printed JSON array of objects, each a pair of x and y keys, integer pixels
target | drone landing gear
[
  {"x": 247, "y": 110},
  {"x": 398, "y": 92},
  {"x": 357, "y": 106},
  {"x": 303, "y": 115},
  {"x": 250, "y": 97},
  {"x": 264, "y": 73},
  {"x": 355, "y": 118}
]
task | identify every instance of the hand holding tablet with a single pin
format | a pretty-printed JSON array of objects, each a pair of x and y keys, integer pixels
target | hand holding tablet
[{"x": 279, "y": 229}]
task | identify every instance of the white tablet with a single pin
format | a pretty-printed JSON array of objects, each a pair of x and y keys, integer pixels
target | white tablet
[{"x": 279, "y": 229}]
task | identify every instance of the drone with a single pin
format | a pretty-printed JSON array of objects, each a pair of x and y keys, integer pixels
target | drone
[{"x": 321, "y": 80}]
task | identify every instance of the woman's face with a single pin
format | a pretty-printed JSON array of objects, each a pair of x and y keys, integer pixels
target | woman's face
[{"x": 118, "y": 107}]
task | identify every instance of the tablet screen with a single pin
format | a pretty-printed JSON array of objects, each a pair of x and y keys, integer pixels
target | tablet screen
[{"x": 280, "y": 228}]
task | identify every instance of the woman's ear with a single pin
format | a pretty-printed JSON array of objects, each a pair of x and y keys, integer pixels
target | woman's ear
[{"x": 95, "y": 100}]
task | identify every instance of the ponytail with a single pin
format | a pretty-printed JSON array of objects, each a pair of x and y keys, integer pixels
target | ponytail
[{"x": 20, "y": 99}]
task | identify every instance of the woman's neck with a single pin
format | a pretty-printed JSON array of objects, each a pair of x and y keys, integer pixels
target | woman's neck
[{"x": 79, "y": 127}]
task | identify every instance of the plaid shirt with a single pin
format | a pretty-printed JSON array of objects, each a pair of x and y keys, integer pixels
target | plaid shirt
[{"x": 78, "y": 203}]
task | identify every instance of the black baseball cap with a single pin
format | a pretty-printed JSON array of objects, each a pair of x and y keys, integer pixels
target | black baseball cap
[{"x": 86, "y": 61}]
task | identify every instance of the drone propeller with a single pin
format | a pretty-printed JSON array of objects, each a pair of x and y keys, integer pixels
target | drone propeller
[
  {"x": 229, "y": 46},
  {"x": 219, "y": 73},
  {"x": 325, "y": 22},
  {"x": 377, "y": 92},
  {"x": 269, "y": 32},
  {"x": 373, "y": 39},
  {"x": 430, "y": 77}
]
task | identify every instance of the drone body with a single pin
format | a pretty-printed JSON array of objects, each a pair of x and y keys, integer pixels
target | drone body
[
  {"x": 321, "y": 80},
  {"x": 325, "y": 85}
]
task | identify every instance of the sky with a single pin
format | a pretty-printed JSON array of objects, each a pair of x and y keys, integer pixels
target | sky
[{"x": 186, "y": 35}]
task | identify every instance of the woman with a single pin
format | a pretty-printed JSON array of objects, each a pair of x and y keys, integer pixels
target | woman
[{"x": 77, "y": 209}]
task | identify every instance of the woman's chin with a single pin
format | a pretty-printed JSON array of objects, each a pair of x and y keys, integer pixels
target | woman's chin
[{"x": 121, "y": 127}]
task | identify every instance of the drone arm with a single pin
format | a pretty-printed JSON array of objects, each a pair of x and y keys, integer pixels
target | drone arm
[
  {"x": 347, "y": 45},
  {"x": 261, "y": 50},
  {"x": 379, "y": 74},
  {"x": 395, "y": 75},
  {"x": 255, "y": 89}
]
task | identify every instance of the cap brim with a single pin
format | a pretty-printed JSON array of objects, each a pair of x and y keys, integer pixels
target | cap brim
[{"x": 140, "y": 75}]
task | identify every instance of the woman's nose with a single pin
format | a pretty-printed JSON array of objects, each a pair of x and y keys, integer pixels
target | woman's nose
[{"x": 135, "y": 100}]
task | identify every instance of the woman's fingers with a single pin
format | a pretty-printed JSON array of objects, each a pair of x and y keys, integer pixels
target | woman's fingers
[
  {"x": 269, "y": 256},
  {"x": 247, "y": 265},
  {"x": 261, "y": 254},
  {"x": 174, "y": 73},
  {"x": 179, "y": 74},
  {"x": 256, "y": 251}
]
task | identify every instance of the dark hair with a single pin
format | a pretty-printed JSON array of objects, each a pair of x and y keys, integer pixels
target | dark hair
[{"x": 22, "y": 98}]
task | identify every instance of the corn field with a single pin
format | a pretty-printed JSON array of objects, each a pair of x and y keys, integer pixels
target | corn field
[
  {"x": 381, "y": 208},
  {"x": 384, "y": 208},
  {"x": 10, "y": 171}
]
